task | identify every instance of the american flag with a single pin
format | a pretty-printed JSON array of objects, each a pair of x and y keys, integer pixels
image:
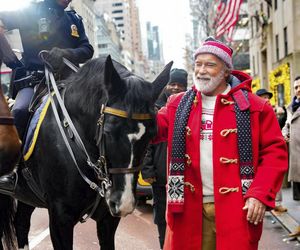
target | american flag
[{"x": 227, "y": 16}]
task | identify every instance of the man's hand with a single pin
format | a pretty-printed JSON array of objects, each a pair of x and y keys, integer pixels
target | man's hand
[
  {"x": 55, "y": 58},
  {"x": 150, "y": 180},
  {"x": 256, "y": 210}
]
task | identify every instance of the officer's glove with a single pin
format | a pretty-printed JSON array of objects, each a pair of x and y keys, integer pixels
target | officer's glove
[{"x": 55, "y": 58}]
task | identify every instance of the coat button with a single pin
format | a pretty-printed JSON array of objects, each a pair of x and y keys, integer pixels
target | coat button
[
  {"x": 190, "y": 185},
  {"x": 195, "y": 101},
  {"x": 227, "y": 160},
  {"x": 226, "y": 132},
  {"x": 226, "y": 190},
  {"x": 226, "y": 102},
  {"x": 188, "y": 159},
  {"x": 188, "y": 131}
]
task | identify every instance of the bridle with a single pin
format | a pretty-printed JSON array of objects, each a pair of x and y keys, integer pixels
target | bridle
[{"x": 100, "y": 140}]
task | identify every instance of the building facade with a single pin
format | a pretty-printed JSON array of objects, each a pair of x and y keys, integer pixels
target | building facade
[
  {"x": 274, "y": 46},
  {"x": 126, "y": 16},
  {"x": 101, "y": 30},
  {"x": 153, "y": 51},
  {"x": 153, "y": 42}
]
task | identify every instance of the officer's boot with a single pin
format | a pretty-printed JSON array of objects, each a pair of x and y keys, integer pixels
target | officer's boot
[{"x": 8, "y": 183}]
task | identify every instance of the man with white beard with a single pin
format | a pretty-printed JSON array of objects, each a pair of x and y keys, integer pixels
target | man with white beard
[{"x": 226, "y": 157}]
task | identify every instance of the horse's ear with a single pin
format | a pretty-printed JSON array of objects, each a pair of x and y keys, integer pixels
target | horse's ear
[
  {"x": 161, "y": 80},
  {"x": 111, "y": 77}
]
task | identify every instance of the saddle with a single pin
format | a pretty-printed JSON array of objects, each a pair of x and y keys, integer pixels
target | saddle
[{"x": 38, "y": 109}]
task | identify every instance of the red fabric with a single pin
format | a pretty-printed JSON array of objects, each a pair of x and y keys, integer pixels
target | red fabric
[
  {"x": 241, "y": 100},
  {"x": 270, "y": 162}
]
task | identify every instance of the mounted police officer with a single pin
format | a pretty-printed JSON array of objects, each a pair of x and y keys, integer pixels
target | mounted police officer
[{"x": 42, "y": 26}]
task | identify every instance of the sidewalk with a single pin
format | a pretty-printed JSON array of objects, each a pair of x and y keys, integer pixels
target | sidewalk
[{"x": 291, "y": 219}]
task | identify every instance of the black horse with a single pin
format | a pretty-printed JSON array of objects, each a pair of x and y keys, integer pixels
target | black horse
[{"x": 113, "y": 112}]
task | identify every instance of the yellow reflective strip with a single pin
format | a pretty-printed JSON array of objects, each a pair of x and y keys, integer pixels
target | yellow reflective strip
[
  {"x": 121, "y": 113},
  {"x": 36, "y": 132},
  {"x": 116, "y": 112}
]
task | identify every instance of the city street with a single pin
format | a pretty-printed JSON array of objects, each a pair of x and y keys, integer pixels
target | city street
[
  {"x": 238, "y": 63},
  {"x": 137, "y": 232}
]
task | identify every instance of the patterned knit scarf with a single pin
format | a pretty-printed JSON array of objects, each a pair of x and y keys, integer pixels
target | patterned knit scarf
[
  {"x": 177, "y": 163},
  {"x": 176, "y": 173},
  {"x": 242, "y": 112}
]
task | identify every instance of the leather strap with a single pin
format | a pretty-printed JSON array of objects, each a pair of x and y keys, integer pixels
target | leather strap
[
  {"x": 124, "y": 114},
  {"x": 5, "y": 120},
  {"x": 33, "y": 185},
  {"x": 124, "y": 170}
]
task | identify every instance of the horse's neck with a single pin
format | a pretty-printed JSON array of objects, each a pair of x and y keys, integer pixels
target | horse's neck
[{"x": 4, "y": 111}]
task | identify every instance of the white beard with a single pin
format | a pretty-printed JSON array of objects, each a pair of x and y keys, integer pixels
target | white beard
[{"x": 208, "y": 86}]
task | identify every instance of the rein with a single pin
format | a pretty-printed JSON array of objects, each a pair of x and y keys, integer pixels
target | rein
[
  {"x": 100, "y": 141},
  {"x": 6, "y": 120}
]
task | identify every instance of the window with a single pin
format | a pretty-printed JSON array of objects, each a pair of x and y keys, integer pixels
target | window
[
  {"x": 275, "y": 4},
  {"x": 257, "y": 58},
  {"x": 285, "y": 40},
  {"x": 253, "y": 62},
  {"x": 252, "y": 29},
  {"x": 117, "y": 11},
  {"x": 120, "y": 25},
  {"x": 119, "y": 18},
  {"x": 256, "y": 21},
  {"x": 117, "y": 4},
  {"x": 102, "y": 46},
  {"x": 277, "y": 47}
]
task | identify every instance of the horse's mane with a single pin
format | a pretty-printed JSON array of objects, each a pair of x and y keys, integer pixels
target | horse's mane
[
  {"x": 139, "y": 95},
  {"x": 88, "y": 82}
]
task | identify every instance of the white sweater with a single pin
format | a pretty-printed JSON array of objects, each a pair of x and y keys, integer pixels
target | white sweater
[{"x": 206, "y": 140}]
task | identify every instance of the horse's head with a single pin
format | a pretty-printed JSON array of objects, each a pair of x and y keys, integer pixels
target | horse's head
[{"x": 129, "y": 124}]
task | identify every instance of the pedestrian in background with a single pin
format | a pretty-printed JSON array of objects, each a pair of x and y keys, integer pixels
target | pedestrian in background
[
  {"x": 154, "y": 165},
  {"x": 281, "y": 118},
  {"x": 292, "y": 136},
  {"x": 224, "y": 170}
]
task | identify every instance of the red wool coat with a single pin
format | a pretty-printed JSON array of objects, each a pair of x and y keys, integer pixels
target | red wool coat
[{"x": 233, "y": 231}]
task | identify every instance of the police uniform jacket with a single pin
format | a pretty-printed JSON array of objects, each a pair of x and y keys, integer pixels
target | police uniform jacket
[{"x": 64, "y": 29}]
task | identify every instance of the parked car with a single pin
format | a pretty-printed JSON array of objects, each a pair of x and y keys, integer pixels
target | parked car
[{"x": 143, "y": 190}]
